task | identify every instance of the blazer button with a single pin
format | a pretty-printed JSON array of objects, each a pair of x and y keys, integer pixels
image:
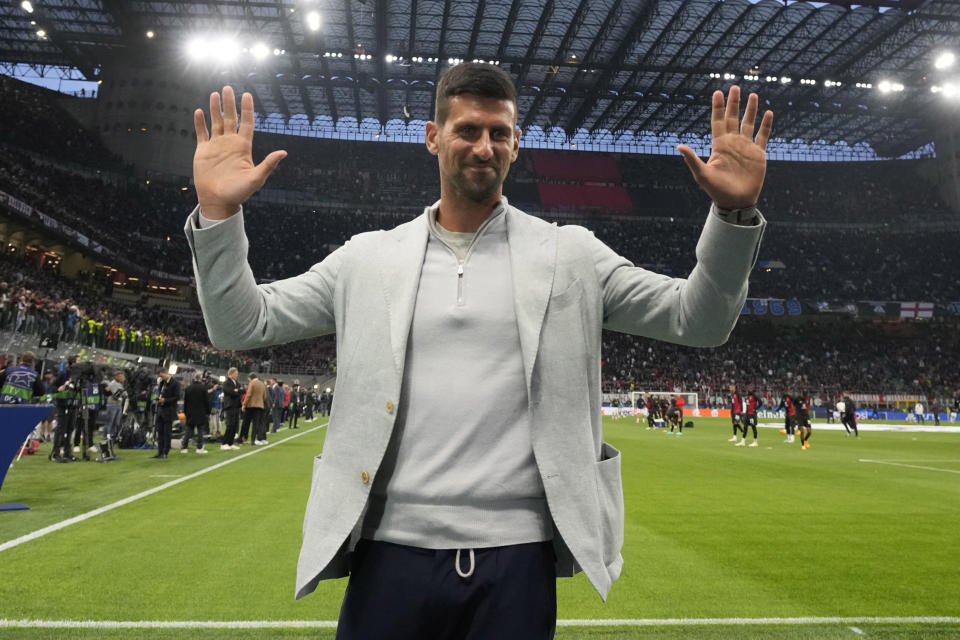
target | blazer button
[
  {"x": 390, "y": 407},
  {"x": 364, "y": 477}
]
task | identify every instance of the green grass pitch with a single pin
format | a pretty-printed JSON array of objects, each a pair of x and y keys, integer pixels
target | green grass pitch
[{"x": 712, "y": 531}]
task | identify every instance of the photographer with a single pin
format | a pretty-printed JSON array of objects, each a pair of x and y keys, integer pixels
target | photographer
[
  {"x": 216, "y": 406},
  {"x": 169, "y": 395},
  {"x": 196, "y": 406},
  {"x": 116, "y": 394}
]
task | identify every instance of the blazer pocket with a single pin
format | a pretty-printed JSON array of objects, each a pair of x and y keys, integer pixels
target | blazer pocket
[{"x": 610, "y": 498}]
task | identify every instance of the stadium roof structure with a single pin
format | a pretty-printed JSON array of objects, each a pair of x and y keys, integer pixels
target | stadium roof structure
[{"x": 585, "y": 70}]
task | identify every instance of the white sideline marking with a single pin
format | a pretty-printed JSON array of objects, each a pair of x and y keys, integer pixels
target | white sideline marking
[
  {"x": 911, "y": 466},
  {"x": 857, "y": 631},
  {"x": 330, "y": 624},
  {"x": 39, "y": 533}
]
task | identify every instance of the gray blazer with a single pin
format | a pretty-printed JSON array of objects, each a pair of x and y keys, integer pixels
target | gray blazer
[{"x": 567, "y": 286}]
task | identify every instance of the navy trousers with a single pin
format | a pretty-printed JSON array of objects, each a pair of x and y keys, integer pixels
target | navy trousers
[{"x": 398, "y": 592}]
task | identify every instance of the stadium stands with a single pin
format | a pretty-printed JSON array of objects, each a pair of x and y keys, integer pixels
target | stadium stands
[{"x": 838, "y": 232}]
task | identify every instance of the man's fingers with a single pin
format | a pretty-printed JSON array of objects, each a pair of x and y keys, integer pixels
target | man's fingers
[
  {"x": 694, "y": 163},
  {"x": 268, "y": 164},
  {"x": 246, "y": 116},
  {"x": 200, "y": 126},
  {"x": 766, "y": 125},
  {"x": 749, "y": 117},
  {"x": 732, "y": 116},
  {"x": 216, "y": 116},
  {"x": 229, "y": 110},
  {"x": 717, "y": 127}
]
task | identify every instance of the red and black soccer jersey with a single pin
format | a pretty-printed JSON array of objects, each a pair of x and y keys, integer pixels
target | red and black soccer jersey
[
  {"x": 736, "y": 404},
  {"x": 788, "y": 405},
  {"x": 752, "y": 403},
  {"x": 803, "y": 406}
]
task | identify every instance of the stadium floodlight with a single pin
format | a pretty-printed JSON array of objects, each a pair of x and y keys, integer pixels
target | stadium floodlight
[
  {"x": 945, "y": 60},
  {"x": 786, "y": 80},
  {"x": 950, "y": 90},
  {"x": 150, "y": 34},
  {"x": 226, "y": 49},
  {"x": 197, "y": 48},
  {"x": 259, "y": 51},
  {"x": 41, "y": 33},
  {"x": 26, "y": 6},
  {"x": 390, "y": 57},
  {"x": 885, "y": 86},
  {"x": 276, "y": 52},
  {"x": 313, "y": 20}
]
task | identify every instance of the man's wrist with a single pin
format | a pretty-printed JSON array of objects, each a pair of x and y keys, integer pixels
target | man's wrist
[
  {"x": 217, "y": 212},
  {"x": 742, "y": 216}
]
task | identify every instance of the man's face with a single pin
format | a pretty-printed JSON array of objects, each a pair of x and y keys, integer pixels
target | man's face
[
  {"x": 233, "y": 376},
  {"x": 475, "y": 146}
]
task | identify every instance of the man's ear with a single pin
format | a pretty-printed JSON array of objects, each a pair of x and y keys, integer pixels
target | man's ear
[
  {"x": 431, "y": 137},
  {"x": 516, "y": 144}
]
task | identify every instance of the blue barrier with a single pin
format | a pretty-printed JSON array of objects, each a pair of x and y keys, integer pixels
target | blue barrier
[{"x": 16, "y": 423}]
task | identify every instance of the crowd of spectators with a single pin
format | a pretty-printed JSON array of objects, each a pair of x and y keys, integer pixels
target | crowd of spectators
[
  {"x": 131, "y": 219},
  {"x": 342, "y": 188},
  {"x": 36, "y": 302},
  {"x": 821, "y": 358},
  {"x": 33, "y": 119}
]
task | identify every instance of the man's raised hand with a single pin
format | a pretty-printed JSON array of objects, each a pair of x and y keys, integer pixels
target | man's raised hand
[
  {"x": 223, "y": 170},
  {"x": 733, "y": 175}
]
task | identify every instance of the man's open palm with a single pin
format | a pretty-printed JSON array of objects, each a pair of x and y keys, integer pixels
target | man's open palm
[
  {"x": 734, "y": 173},
  {"x": 223, "y": 170}
]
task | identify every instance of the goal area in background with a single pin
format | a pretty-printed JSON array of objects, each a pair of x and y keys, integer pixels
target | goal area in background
[{"x": 690, "y": 401}]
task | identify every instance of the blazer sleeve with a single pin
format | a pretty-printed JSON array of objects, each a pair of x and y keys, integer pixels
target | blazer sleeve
[
  {"x": 240, "y": 314},
  {"x": 700, "y": 310}
]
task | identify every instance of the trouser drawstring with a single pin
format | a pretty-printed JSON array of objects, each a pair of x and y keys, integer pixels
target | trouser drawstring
[{"x": 457, "y": 565}]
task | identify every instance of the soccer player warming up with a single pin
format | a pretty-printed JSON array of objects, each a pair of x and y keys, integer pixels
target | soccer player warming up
[
  {"x": 750, "y": 419},
  {"x": 790, "y": 416},
  {"x": 736, "y": 413},
  {"x": 675, "y": 416},
  {"x": 802, "y": 420}
]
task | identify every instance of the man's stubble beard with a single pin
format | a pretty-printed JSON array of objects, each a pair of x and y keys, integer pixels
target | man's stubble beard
[{"x": 480, "y": 192}]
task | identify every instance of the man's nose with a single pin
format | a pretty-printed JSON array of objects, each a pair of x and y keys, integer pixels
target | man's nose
[{"x": 483, "y": 147}]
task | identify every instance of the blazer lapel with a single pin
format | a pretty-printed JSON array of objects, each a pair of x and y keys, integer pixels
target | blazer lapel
[
  {"x": 533, "y": 256},
  {"x": 401, "y": 261}
]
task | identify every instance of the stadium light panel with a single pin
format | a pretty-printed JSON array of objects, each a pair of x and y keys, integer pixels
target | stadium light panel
[
  {"x": 150, "y": 34},
  {"x": 945, "y": 60},
  {"x": 313, "y": 20},
  {"x": 226, "y": 49},
  {"x": 197, "y": 48},
  {"x": 259, "y": 51},
  {"x": 41, "y": 33},
  {"x": 26, "y": 6}
]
